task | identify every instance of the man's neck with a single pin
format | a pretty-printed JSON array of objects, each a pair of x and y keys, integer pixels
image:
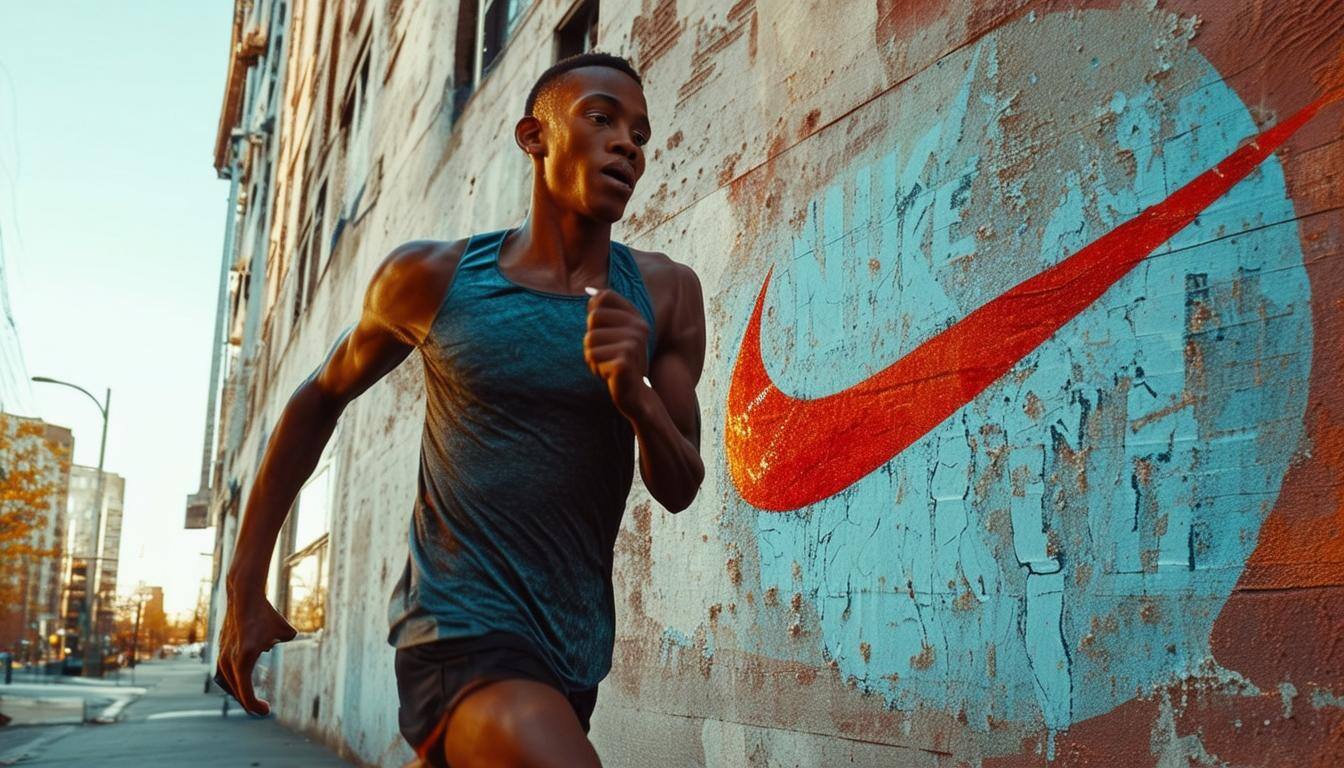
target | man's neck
[{"x": 560, "y": 248}]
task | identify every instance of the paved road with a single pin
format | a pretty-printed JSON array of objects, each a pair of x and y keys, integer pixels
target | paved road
[{"x": 172, "y": 724}]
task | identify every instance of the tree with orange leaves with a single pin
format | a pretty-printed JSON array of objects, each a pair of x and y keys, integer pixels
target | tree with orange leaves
[{"x": 31, "y": 466}]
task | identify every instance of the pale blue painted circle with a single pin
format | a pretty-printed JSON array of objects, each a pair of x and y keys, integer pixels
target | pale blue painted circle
[{"x": 1087, "y": 595}]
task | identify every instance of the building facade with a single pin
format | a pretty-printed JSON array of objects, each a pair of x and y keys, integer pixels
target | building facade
[
  {"x": 1021, "y": 417},
  {"x": 35, "y": 461},
  {"x": 93, "y": 547}
]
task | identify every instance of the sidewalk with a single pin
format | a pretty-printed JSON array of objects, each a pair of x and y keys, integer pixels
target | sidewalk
[
  {"x": 57, "y": 701},
  {"x": 171, "y": 724}
]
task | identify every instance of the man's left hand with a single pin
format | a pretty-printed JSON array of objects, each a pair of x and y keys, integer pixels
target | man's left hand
[{"x": 616, "y": 348}]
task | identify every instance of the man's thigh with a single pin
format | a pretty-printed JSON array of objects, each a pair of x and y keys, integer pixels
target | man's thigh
[{"x": 516, "y": 724}]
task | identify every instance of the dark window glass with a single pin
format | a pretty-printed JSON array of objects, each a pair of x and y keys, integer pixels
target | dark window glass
[
  {"x": 578, "y": 32},
  {"x": 501, "y": 17}
]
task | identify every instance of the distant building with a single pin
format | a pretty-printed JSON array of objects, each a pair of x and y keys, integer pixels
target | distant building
[
  {"x": 33, "y": 573},
  {"x": 84, "y": 557}
]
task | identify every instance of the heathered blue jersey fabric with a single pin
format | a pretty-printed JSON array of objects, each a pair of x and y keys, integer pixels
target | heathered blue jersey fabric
[{"x": 525, "y": 466}]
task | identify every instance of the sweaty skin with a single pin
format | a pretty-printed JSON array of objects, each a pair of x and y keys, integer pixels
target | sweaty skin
[{"x": 589, "y": 119}]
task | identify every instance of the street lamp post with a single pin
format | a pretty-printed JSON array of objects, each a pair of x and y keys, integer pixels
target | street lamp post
[{"x": 91, "y": 585}]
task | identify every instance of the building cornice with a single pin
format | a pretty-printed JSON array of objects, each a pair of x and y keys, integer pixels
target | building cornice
[{"x": 246, "y": 45}]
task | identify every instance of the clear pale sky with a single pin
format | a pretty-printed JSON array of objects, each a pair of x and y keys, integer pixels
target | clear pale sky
[{"x": 112, "y": 221}]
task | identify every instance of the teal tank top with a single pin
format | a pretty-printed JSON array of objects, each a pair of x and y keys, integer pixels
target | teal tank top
[{"x": 525, "y": 466}]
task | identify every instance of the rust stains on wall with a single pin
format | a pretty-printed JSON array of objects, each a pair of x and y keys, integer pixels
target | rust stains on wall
[
  {"x": 710, "y": 39},
  {"x": 634, "y": 551},
  {"x": 654, "y": 31}
]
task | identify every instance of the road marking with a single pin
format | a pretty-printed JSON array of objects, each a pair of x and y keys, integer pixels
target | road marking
[
  {"x": 185, "y": 713},
  {"x": 113, "y": 710}
]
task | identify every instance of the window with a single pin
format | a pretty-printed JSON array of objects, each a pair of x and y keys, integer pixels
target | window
[
  {"x": 578, "y": 32},
  {"x": 329, "y": 104},
  {"x": 312, "y": 256},
  {"x": 483, "y": 30},
  {"x": 355, "y": 125},
  {"x": 498, "y": 20},
  {"x": 306, "y": 566},
  {"x": 299, "y": 277},
  {"x": 317, "y": 257}
]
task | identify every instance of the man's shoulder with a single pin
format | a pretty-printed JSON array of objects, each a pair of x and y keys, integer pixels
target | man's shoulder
[
  {"x": 674, "y": 289},
  {"x": 661, "y": 272},
  {"x": 421, "y": 258},
  {"x": 408, "y": 287}
]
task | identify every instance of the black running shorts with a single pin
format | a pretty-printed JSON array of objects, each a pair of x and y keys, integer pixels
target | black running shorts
[{"x": 433, "y": 677}]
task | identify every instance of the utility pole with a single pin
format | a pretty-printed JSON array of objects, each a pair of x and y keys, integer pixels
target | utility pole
[
  {"x": 97, "y": 586},
  {"x": 140, "y": 597},
  {"x": 91, "y": 641},
  {"x": 135, "y": 634}
]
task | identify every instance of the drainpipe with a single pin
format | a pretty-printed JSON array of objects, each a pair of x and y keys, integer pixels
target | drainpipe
[{"x": 200, "y": 500}]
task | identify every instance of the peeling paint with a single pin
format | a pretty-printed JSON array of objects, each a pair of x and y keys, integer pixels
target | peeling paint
[{"x": 1127, "y": 545}]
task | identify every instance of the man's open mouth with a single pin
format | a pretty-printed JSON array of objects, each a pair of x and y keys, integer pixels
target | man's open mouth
[{"x": 621, "y": 175}]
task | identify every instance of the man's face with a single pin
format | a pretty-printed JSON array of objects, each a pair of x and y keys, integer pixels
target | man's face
[{"x": 595, "y": 127}]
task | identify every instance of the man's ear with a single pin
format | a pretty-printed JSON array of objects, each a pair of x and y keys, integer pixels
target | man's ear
[{"x": 528, "y": 135}]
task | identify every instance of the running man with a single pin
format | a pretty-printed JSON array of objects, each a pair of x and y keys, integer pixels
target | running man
[{"x": 549, "y": 350}]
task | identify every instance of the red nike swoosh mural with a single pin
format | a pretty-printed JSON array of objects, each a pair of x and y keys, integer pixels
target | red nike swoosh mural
[{"x": 786, "y": 452}]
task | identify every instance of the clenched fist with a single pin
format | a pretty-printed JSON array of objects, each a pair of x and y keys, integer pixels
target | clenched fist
[{"x": 616, "y": 347}]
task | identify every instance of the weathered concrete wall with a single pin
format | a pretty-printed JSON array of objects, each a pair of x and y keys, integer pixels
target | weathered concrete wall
[{"x": 1097, "y": 522}]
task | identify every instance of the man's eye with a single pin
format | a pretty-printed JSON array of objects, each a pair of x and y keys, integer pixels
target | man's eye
[{"x": 602, "y": 119}]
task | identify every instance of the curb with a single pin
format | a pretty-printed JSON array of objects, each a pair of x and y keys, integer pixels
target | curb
[{"x": 43, "y": 710}]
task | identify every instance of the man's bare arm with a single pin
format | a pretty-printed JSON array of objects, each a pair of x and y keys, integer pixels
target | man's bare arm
[
  {"x": 397, "y": 307},
  {"x": 668, "y": 426}
]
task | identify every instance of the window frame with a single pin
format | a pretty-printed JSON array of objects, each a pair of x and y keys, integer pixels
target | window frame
[
  {"x": 357, "y": 132},
  {"x": 475, "y": 72},
  {"x": 506, "y": 34},
  {"x": 587, "y": 11},
  {"x": 319, "y": 546}
]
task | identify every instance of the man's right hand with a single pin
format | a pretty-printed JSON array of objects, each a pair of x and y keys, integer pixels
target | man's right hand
[{"x": 251, "y": 626}]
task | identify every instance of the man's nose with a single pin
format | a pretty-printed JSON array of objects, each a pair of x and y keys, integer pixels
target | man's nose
[{"x": 626, "y": 147}]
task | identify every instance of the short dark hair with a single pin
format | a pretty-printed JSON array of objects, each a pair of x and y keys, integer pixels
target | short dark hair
[{"x": 590, "y": 59}]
